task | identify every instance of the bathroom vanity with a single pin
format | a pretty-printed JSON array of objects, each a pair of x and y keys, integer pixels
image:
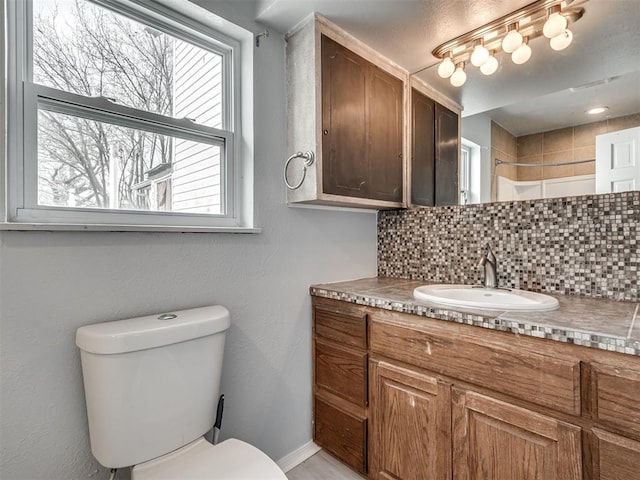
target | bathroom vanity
[{"x": 407, "y": 390}]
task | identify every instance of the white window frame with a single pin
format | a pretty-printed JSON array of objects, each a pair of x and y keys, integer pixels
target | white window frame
[
  {"x": 465, "y": 173},
  {"x": 471, "y": 168},
  {"x": 24, "y": 99}
]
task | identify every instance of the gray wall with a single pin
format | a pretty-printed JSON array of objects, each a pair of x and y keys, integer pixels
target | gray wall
[
  {"x": 477, "y": 128},
  {"x": 52, "y": 283}
]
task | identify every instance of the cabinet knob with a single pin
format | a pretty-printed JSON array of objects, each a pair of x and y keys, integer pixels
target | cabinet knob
[{"x": 325, "y": 132}]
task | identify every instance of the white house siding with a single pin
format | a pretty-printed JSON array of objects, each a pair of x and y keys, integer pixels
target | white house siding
[{"x": 197, "y": 95}]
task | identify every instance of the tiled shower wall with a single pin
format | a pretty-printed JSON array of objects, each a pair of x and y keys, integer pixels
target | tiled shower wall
[
  {"x": 574, "y": 246},
  {"x": 565, "y": 145},
  {"x": 575, "y": 143}
]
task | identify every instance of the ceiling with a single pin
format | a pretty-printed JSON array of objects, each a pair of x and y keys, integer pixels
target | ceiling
[{"x": 525, "y": 99}]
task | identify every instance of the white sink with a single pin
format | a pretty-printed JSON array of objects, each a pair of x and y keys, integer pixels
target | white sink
[{"x": 469, "y": 296}]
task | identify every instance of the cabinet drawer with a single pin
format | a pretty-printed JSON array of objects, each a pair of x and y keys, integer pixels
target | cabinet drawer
[
  {"x": 616, "y": 397},
  {"x": 341, "y": 371},
  {"x": 341, "y": 433},
  {"x": 550, "y": 381},
  {"x": 344, "y": 327}
]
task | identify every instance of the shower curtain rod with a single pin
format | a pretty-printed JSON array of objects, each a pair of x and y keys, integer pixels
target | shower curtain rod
[{"x": 558, "y": 164}]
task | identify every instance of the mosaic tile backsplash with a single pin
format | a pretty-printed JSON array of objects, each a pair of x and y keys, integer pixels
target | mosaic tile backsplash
[{"x": 584, "y": 245}]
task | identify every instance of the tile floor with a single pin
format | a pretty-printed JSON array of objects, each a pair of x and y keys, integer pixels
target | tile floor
[{"x": 322, "y": 466}]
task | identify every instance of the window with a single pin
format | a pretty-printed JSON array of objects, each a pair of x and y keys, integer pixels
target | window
[{"x": 122, "y": 114}]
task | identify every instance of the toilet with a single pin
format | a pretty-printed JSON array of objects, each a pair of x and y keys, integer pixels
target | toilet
[{"x": 152, "y": 384}]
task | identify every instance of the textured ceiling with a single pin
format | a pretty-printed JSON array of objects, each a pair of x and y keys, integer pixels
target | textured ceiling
[{"x": 606, "y": 44}]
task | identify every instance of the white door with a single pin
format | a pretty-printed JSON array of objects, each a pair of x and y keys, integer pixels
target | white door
[{"x": 618, "y": 161}]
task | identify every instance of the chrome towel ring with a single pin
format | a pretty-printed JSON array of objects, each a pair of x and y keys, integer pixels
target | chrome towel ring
[{"x": 308, "y": 161}]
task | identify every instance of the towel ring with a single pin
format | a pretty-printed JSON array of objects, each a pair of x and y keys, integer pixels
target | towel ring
[{"x": 308, "y": 161}]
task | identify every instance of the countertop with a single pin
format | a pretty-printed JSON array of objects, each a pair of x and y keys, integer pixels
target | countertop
[{"x": 591, "y": 322}]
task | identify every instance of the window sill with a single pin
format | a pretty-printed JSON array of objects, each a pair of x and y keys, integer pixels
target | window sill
[{"x": 62, "y": 227}]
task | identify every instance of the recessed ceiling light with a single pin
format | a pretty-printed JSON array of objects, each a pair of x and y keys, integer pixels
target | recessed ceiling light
[{"x": 597, "y": 110}]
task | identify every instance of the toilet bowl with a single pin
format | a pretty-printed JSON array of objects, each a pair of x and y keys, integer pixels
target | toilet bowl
[
  {"x": 229, "y": 460},
  {"x": 151, "y": 387}
]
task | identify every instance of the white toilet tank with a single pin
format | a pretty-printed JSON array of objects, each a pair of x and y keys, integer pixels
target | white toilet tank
[{"x": 151, "y": 383}]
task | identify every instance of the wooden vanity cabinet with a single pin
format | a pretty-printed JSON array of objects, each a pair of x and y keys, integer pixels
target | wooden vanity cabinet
[
  {"x": 340, "y": 385},
  {"x": 346, "y": 104},
  {"x": 452, "y": 401},
  {"x": 485, "y": 436}
]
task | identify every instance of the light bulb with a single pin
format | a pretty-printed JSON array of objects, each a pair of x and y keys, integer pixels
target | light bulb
[
  {"x": 459, "y": 77},
  {"x": 522, "y": 53},
  {"x": 562, "y": 41},
  {"x": 446, "y": 67},
  {"x": 555, "y": 25},
  {"x": 490, "y": 66},
  {"x": 511, "y": 41},
  {"x": 480, "y": 55}
]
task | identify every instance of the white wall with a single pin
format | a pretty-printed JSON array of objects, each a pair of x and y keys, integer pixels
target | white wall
[
  {"x": 477, "y": 128},
  {"x": 52, "y": 283}
]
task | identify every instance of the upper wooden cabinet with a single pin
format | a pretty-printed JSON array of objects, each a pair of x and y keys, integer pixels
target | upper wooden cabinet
[
  {"x": 345, "y": 104},
  {"x": 361, "y": 126},
  {"x": 423, "y": 151},
  {"x": 447, "y": 154},
  {"x": 435, "y": 149}
]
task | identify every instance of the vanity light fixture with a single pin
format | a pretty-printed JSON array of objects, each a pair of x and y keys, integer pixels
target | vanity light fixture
[{"x": 512, "y": 34}]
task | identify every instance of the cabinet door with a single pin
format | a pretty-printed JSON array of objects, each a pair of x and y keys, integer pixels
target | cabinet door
[
  {"x": 615, "y": 398},
  {"x": 411, "y": 425},
  {"x": 362, "y": 128},
  {"x": 422, "y": 149},
  {"x": 385, "y": 136},
  {"x": 615, "y": 457},
  {"x": 447, "y": 152},
  {"x": 344, "y": 121},
  {"x": 494, "y": 440}
]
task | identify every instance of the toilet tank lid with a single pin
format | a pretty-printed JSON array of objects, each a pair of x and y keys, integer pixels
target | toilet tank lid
[{"x": 151, "y": 331}]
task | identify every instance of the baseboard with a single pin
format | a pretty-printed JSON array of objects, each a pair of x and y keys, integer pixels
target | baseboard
[{"x": 298, "y": 456}]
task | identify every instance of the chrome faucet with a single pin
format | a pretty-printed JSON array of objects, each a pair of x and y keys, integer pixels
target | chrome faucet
[{"x": 490, "y": 265}]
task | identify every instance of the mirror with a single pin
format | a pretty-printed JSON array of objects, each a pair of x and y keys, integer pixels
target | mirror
[{"x": 525, "y": 130}]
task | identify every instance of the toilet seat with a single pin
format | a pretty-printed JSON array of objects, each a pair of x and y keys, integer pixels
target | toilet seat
[{"x": 229, "y": 460}]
